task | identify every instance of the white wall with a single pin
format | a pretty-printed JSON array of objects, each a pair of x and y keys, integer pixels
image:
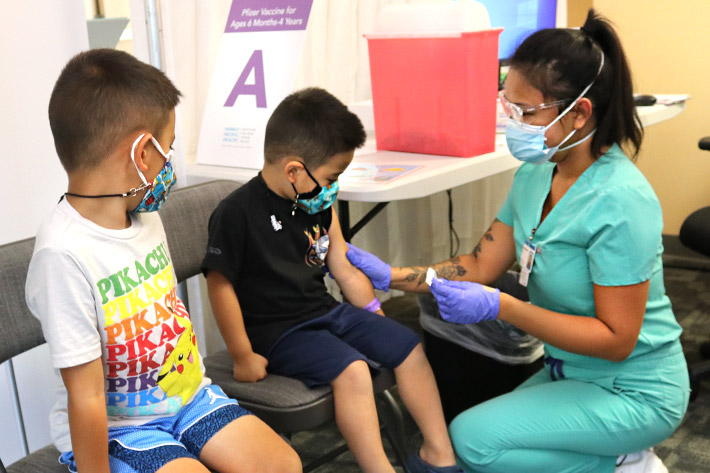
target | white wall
[
  {"x": 34, "y": 46},
  {"x": 36, "y": 40}
]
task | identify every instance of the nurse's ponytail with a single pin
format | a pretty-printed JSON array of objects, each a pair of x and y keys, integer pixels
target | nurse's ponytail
[
  {"x": 562, "y": 62},
  {"x": 617, "y": 120}
]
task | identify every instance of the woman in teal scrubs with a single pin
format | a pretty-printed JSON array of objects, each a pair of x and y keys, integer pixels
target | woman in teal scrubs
[{"x": 585, "y": 226}]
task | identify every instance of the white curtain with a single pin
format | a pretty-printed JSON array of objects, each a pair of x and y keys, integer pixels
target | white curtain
[{"x": 334, "y": 57}]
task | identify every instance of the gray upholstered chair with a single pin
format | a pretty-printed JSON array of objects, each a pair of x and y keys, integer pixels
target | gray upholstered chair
[
  {"x": 19, "y": 332},
  {"x": 283, "y": 403}
]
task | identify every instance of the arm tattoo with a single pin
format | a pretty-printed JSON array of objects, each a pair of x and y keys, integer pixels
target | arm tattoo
[
  {"x": 451, "y": 269},
  {"x": 488, "y": 236},
  {"x": 417, "y": 274},
  {"x": 448, "y": 270}
]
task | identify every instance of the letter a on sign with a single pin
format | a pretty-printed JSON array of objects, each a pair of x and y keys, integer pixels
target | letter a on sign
[
  {"x": 256, "y": 64},
  {"x": 255, "y": 70}
]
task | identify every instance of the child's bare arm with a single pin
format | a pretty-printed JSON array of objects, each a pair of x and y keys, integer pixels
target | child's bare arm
[
  {"x": 354, "y": 284},
  {"x": 88, "y": 424},
  {"x": 248, "y": 366}
]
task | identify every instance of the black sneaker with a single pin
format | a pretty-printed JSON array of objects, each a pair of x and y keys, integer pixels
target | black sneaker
[{"x": 415, "y": 464}]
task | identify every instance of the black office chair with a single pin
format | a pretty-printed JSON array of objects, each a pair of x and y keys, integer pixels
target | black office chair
[{"x": 695, "y": 234}]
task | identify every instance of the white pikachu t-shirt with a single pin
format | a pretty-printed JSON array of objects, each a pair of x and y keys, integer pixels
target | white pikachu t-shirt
[{"x": 111, "y": 294}]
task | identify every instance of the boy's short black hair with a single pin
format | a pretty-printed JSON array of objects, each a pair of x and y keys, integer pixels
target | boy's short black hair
[
  {"x": 100, "y": 97},
  {"x": 314, "y": 125}
]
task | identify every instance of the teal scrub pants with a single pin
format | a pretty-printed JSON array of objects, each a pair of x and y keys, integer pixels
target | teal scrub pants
[{"x": 572, "y": 419}]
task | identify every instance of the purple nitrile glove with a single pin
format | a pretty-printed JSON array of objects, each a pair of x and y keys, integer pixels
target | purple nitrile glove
[
  {"x": 464, "y": 302},
  {"x": 379, "y": 272}
]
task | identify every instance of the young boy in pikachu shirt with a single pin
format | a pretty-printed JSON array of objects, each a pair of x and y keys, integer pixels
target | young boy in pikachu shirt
[
  {"x": 269, "y": 244},
  {"x": 101, "y": 281}
]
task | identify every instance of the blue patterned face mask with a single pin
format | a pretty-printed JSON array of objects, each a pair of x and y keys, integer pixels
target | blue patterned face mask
[
  {"x": 317, "y": 200},
  {"x": 158, "y": 190}
]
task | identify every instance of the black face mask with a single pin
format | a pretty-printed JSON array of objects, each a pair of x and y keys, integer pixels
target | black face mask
[{"x": 310, "y": 194}]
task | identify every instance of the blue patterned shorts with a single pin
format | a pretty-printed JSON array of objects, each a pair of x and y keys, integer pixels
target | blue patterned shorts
[{"x": 148, "y": 447}]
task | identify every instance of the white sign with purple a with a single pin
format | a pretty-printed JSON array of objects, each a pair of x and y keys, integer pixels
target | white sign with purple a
[{"x": 255, "y": 69}]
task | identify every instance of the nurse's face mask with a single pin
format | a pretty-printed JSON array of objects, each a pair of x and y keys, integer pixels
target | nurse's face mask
[
  {"x": 527, "y": 142},
  {"x": 316, "y": 200}
]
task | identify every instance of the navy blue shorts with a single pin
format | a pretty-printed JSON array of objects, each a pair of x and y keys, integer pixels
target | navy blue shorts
[{"x": 318, "y": 350}]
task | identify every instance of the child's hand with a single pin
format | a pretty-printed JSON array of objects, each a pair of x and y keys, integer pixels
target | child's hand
[{"x": 250, "y": 368}]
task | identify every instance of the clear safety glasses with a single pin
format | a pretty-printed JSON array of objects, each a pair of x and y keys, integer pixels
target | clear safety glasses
[{"x": 517, "y": 113}]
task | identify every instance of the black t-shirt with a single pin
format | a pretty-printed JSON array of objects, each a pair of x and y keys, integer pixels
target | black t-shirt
[{"x": 274, "y": 264}]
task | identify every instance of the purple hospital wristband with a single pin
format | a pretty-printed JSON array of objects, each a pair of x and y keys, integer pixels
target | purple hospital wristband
[{"x": 373, "y": 306}]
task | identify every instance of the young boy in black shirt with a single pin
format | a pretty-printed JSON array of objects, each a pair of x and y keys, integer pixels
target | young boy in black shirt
[{"x": 269, "y": 243}]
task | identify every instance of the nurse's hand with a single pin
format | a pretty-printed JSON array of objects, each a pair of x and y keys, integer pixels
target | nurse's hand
[
  {"x": 464, "y": 302},
  {"x": 379, "y": 272}
]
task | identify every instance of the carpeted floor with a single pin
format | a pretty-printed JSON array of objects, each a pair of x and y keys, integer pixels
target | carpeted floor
[{"x": 687, "y": 451}]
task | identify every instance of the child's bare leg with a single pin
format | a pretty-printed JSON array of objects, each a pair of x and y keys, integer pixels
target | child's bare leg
[
  {"x": 248, "y": 445},
  {"x": 356, "y": 416},
  {"x": 417, "y": 388},
  {"x": 183, "y": 465}
]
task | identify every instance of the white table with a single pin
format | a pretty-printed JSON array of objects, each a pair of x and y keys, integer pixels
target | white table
[{"x": 435, "y": 174}]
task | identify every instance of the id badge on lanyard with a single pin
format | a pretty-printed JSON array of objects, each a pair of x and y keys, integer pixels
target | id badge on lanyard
[{"x": 527, "y": 259}]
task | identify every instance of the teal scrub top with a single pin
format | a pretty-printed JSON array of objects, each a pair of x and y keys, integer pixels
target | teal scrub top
[{"x": 606, "y": 230}]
